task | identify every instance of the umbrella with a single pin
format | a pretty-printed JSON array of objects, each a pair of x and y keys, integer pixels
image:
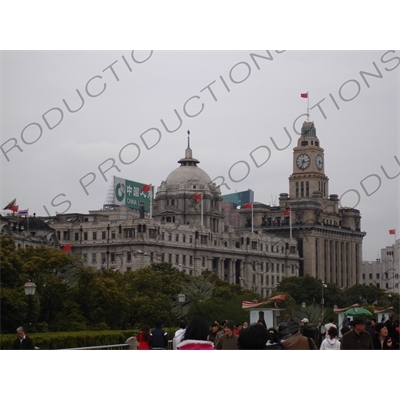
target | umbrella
[{"x": 357, "y": 312}]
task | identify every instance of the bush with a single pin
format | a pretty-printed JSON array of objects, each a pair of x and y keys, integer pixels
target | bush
[{"x": 68, "y": 340}]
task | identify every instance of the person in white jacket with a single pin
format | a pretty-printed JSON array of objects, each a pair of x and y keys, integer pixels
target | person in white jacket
[
  {"x": 331, "y": 342},
  {"x": 179, "y": 334}
]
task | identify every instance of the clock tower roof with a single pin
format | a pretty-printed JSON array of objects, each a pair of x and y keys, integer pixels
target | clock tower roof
[{"x": 308, "y": 130}]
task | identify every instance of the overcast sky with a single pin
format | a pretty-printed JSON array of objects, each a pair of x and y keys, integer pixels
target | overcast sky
[{"x": 125, "y": 95}]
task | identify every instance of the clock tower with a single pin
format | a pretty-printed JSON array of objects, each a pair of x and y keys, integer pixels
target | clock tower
[{"x": 308, "y": 166}]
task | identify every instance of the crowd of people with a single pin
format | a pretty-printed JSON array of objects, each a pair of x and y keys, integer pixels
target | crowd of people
[
  {"x": 357, "y": 334},
  {"x": 198, "y": 334}
]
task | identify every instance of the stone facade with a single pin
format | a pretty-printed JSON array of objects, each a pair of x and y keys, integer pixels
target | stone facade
[
  {"x": 187, "y": 229},
  {"x": 28, "y": 231},
  {"x": 329, "y": 236},
  {"x": 384, "y": 272}
]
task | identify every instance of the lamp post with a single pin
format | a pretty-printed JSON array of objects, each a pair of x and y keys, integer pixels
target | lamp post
[
  {"x": 181, "y": 300},
  {"x": 303, "y": 305},
  {"x": 322, "y": 301},
  {"x": 30, "y": 289}
]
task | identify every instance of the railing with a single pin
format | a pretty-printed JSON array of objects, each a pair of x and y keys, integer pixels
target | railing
[{"x": 122, "y": 346}]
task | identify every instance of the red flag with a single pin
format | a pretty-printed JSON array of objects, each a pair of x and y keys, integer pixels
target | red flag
[
  {"x": 13, "y": 208},
  {"x": 392, "y": 231},
  {"x": 247, "y": 205},
  {"x": 304, "y": 95},
  {"x": 11, "y": 203},
  {"x": 197, "y": 197},
  {"x": 67, "y": 248},
  {"x": 286, "y": 212},
  {"x": 146, "y": 188}
]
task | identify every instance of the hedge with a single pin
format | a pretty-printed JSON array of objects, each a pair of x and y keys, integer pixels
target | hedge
[{"x": 69, "y": 340}]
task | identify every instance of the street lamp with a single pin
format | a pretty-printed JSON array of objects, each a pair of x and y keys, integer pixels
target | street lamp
[
  {"x": 303, "y": 305},
  {"x": 181, "y": 300},
  {"x": 322, "y": 301},
  {"x": 30, "y": 289}
]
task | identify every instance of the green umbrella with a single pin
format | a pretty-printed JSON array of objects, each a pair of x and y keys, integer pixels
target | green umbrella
[{"x": 357, "y": 312}]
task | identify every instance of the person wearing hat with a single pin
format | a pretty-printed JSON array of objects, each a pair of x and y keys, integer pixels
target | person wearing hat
[
  {"x": 228, "y": 341},
  {"x": 297, "y": 341},
  {"x": 357, "y": 338},
  {"x": 382, "y": 340}
]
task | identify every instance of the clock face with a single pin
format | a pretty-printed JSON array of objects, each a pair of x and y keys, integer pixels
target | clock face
[
  {"x": 319, "y": 161},
  {"x": 303, "y": 161}
]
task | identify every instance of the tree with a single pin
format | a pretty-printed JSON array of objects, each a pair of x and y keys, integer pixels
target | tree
[{"x": 309, "y": 290}]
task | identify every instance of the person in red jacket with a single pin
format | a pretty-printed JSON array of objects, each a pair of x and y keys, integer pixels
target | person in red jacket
[{"x": 144, "y": 338}]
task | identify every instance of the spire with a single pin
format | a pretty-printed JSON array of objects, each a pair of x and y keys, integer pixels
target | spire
[{"x": 188, "y": 160}]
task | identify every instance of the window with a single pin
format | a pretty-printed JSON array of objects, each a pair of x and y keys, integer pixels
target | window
[
  {"x": 184, "y": 259},
  {"x": 103, "y": 235},
  {"x": 85, "y": 236},
  {"x": 94, "y": 235},
  {"x": 76, "y": 236},
  {"x": 170, "y": 258},
  {"x": 183, "y": 238},
  {"x": 162, "y": 236},
  {"x": 152, "y": 234},
  {"x": 129, "y": 233},
  {"x": 177, "y": 237},
  {"x": 254, "y": 245},
  {"x": 170, "y": 237},
  {"x": 190, "y": 239},
  {"x": 112, "y": 257},
  {"x": 377, "y": 276},
  {"x": 128, "y": 256},
  {"x": 84, "y": 255},
  {"x": 103, "y": 258},
  {"x": 272, "y": 267},
  {"x": 370, "y": 276},
  {"x": 272, "y": 280},
  {"x": 176, "y": 258},
  {"x": 112, "y": 234},
  {"x": 191, "y": 260},
  {"x": 94, "y": 258},
  {"x": 66, "y": 235}
]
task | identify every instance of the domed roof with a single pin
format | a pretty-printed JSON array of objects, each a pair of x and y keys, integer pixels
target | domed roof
[{"x": 188, "y": 172}]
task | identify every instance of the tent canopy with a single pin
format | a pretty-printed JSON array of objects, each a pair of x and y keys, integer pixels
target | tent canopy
[{"x": 357, "y": 312}]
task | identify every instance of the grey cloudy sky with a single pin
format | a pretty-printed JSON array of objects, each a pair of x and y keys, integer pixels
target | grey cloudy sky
[{"x": 263, "y": 99}]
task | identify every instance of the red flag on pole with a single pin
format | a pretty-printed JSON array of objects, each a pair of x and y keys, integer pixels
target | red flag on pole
[
  {"x": 286, "y": 212},
  {"x": 197, "y": 197},
  {"x": 146, "y": 188},
  {"x": 13, "y": 208},
  {"x": 304, "y": 95},
  {"x": 247, "y": 205},
  {"x": 392, "y": 231},
  {"x": 67, "y": 248}
]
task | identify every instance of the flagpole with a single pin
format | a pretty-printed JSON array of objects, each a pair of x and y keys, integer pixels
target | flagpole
[
  {"x": 151, "y": 201},
  {"x": 308, "y": 107},
  {"x": 252, "y": 217},
  {"x": 290, "y": 221},
  {"x": 201, "y": 209}
]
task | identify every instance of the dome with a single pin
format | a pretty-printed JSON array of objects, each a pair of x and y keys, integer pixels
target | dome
[{"x": 188, "y": 172}]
